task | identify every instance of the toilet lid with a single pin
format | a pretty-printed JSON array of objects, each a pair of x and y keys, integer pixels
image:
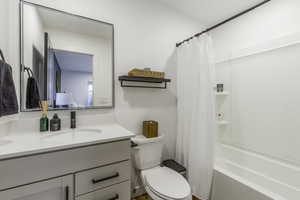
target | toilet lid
[{"x": 167, "y": 183}]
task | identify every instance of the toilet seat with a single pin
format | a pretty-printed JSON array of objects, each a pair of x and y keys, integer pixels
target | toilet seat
[{"x": 166, "y": 183}]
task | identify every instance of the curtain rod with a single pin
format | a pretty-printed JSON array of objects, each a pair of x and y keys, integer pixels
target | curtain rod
[{"x": 223, "y": 22}]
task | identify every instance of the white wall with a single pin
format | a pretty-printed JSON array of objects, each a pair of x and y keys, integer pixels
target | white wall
[
  {"x": 145, "y": 35},
  {"x": 275, "y": 19},
  {"x": 100, "y": 48},
  {"x": 4, "y": 24},
  {"x": 258, "y": 62},
  {"x": 34, "y": 34},
  {"x": 76, "y": 83}
]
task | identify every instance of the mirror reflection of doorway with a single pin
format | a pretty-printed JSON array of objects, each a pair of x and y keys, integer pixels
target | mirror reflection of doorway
[{"x": 71, "y": 79}]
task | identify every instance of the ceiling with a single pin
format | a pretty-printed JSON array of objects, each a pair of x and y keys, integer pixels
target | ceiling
[
  {"x": 210, "y": 12},
  {"x": 62, "y": 21},
  {"x": 77, "y": 62}
]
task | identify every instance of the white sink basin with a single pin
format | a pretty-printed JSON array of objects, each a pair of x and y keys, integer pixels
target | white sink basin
[
  {"x": 72, "y": 135},
  {"x": 5, "y": 142},
  {"x": 85, "y": 131}
]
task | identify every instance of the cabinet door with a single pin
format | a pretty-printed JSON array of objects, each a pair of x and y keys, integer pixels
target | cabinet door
[{"x": 53, "y": 189}]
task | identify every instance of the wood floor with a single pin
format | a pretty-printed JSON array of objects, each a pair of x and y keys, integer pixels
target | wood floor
[{"x": 145, "y": 197}]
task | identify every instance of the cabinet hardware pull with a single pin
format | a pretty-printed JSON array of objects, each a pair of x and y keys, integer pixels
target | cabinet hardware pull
[
  {"x": 114, "y": 198},
  {"x": 67, "y": 193},
  {"x": 95, "y": 181}
]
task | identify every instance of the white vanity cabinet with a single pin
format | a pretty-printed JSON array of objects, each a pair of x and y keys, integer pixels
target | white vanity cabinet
[{"x": 93, "y": 172}]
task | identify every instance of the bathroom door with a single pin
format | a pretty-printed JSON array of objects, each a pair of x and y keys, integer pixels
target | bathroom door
[{"x": 53, "y": 189}]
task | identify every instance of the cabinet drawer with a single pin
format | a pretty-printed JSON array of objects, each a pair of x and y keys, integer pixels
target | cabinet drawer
[
  {"x": 116, "y": 192},
  {"x": 94, "y": 179}
]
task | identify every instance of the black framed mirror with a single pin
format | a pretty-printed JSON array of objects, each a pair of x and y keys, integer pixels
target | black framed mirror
[{"x": 66, "y": 59}]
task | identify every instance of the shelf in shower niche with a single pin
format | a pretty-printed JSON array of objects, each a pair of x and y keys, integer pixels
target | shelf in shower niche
[
  {"x": 224, "y": 122},
  {"x": 222, "y": 93},
  {"x": 143, "y": 81}
]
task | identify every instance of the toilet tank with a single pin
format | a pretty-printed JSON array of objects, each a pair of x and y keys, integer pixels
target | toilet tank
[{"x": 148, "y": 153}]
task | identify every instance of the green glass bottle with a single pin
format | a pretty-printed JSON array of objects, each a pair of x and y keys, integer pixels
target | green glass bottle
[{"x": 44, "y": 123}]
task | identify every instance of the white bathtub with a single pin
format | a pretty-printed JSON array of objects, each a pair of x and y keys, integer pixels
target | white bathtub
[{"x": 242, "y": 175}]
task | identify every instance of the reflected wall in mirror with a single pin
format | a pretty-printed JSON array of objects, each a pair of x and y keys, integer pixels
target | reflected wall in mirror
[{"x": 65, "y": 59}]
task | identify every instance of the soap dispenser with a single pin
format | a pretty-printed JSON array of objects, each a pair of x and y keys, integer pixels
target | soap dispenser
[{"x": 55, "y": 123}]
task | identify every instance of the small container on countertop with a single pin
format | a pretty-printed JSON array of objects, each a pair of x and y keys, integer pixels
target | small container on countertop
[{"x": 55, "y": 123}]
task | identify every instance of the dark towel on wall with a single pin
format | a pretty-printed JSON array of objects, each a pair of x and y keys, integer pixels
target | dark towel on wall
[
  {"x": 8, "y": 96},
  {"x": 32, "y": 94}
]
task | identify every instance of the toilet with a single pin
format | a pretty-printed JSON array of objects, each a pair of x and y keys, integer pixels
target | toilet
[{"x": 161, "y": 183}]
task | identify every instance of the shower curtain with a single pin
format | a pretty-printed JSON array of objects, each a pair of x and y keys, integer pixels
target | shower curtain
[{"x": 196, "y": 113}]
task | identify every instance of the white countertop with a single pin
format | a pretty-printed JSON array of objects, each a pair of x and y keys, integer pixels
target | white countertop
[{"x": 18, "y": 145}]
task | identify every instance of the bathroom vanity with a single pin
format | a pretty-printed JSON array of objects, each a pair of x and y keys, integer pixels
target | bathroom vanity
[
  {"x": 90, "y": 163},
  {"x": 83, "y": 164}
]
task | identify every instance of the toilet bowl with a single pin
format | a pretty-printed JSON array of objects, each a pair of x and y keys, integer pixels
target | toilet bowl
[
  {"x": 161, "y": 183},
  {"x": 165, "y": 183}
]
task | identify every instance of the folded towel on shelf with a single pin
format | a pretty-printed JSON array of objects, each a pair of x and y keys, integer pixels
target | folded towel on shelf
[{"x": 8, "y": 96}]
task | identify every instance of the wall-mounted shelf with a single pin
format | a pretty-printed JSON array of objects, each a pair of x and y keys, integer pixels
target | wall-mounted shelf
[
  {"x": 222, "y": 93},
  {"x": 124, "y": 79},
  {"x": 223, "y": 122}
]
